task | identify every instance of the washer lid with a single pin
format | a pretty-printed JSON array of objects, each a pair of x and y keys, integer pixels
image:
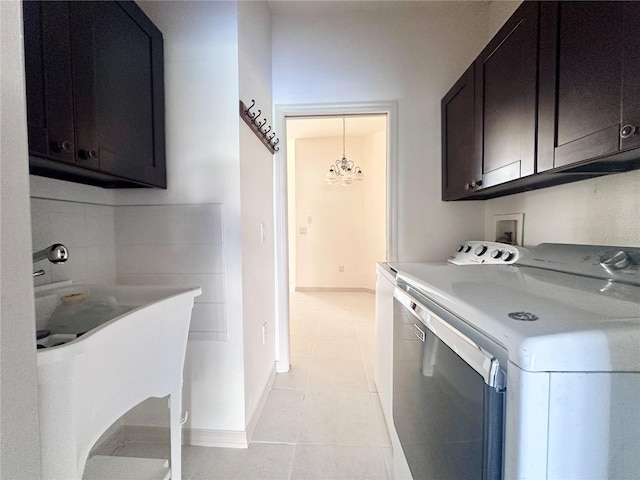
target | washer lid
[{"x": 547, "y": 320}]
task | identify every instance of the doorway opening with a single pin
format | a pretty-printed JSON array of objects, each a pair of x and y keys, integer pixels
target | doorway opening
[
  {"x": 329, "y": 237},
  {"x": 336, "y": 217}
]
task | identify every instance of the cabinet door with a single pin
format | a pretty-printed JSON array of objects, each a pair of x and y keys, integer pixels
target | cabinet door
[
  {"x": 83, "y": 37},
  {"x": 460, "y": 160},
  {"x": 48, "y": 86},
  {"x": 581, "y": 62},
  {"x": 506, "y": 98},
  {"x": 126, "y": 80},
  {"x": 631, "y": 74},
  {"x": 95, "y": 93}
]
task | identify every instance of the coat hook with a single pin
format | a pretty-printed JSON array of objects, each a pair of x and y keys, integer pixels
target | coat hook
[
  {"x": 248, "y": 110},
  {"x": 262, "y": 124},
  {"x": 271, "y": 136},
  {"x": 277, "y": 149},
  {"x": 256, "y": 116},
  {"x": 264, "y": 132},
  {"x": 276, "y": 142}
]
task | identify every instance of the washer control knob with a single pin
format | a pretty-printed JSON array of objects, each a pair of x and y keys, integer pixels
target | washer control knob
[
  {"x": 467, "y": 248},
  {"x": 506, "y": 256},
  {"x": 497, "y": 253},
  {"x": 460, "y": 248},
  {"x": 480, "y": 250},
  {"x": 615, "y": 260}
]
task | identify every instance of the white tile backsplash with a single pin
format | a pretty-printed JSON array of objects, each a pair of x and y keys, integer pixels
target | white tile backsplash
[
  {"x": 135, "y": 225},
  {"x": 141, "y": 245},
  {"x": 208, "y": 317},
  {"x": 171, "y": 244},
  {"x": 212, "y": 285},
  {"x": 87, "y": 230},
  {"x": 203, "y": 224}
]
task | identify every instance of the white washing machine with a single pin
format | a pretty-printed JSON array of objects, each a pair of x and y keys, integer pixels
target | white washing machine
[{"x": 519, "y": 364}]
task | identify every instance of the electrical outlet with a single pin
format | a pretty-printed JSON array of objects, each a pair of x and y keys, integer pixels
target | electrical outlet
[
  {"x": 303, "y": 230},
  {"x": 309, "y": 220},
  {"x": 263, "y": 235},
  {"x": 264, "y": 333},
  {"x": 341, "y": 268}
]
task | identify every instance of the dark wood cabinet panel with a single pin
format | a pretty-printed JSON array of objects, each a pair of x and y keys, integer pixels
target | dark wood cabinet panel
[
  {"x": 557, "y": 99},
  {"x": 83, "y": 38},
  {"x": 631, "y": 73},
  {"x": 506, "y": 99},
  {"x": 588, "y": 82},
  {"x": 124, "y": 72},
  {"x": 111, "y": 74},
  {"x": 489, "y": 116},
  {"x": 49, "y": 86},
  {"x": 460, "y": 160}
]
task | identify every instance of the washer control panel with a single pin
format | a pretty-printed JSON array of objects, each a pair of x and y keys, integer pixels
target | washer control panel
[{"x": 476, "y": 252}]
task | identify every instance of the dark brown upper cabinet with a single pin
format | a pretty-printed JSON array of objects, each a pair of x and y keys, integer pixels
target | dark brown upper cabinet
[
  {"x": 489, "y": 116},
  {"x": 506, "y": 99},
  {"x": 459, "y": 165},
  {"x": 557, "y": 99},
  {"x": 589, "y": 82},
  {"x": 95, "y": 93}
]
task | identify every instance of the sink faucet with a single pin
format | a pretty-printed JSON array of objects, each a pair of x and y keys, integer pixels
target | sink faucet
[{"x": 56, "y": 254}]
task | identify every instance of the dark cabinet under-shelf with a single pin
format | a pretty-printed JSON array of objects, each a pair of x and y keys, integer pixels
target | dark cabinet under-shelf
[{"x": 95, "y": 93}]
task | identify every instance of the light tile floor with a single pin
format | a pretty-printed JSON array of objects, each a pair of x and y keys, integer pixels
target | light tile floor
[{"x": 322, "y": 420}]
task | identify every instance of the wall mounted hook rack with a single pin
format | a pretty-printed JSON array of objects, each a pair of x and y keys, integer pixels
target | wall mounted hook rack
[{"x": 251, "y": 118}]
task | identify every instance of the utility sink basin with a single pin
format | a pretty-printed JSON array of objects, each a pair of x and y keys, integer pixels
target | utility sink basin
[{"x": 111, "y": 347}]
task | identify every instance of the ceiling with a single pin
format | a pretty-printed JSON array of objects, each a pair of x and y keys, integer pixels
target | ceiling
[
  {"x": 281, "y": 7},
  {"x": 331, "y": 126}
]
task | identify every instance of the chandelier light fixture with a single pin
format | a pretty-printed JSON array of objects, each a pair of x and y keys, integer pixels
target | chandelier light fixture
[{"x": 343, "y": 171}]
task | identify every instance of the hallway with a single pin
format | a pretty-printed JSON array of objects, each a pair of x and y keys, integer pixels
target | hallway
[{"x": 322, "y": 420}]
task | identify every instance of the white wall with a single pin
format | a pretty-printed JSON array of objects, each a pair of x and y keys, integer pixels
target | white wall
[
  {"x": 292, "y": 218},
  {"x": 347, "y": 223},
  {"x": 19, "y": 438},
  {"x": 202, "y": 141},
  {"x": 375, "y": 189},
  {"x": 412, "y": 54},
  {"x": 256, "y": 194},
  {"x": 598, "y": 211}
]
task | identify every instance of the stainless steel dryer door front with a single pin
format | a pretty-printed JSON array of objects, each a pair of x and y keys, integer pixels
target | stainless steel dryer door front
[{"x": 448, "y": 399}]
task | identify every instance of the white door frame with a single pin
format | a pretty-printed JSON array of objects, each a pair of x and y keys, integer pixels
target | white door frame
[{"x": 283, "y": 358}]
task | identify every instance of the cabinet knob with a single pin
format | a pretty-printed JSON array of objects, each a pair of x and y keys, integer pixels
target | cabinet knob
[
  {"x": 59, "y": 147},
  {"x": 476, "y": 183},
  {"x": 87, "y": 154},
  {"x": 467, "y": 186},
  {"x": 628, "y": 130}
]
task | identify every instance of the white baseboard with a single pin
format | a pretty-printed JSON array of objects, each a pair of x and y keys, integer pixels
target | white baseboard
[
  {"x": 146, "y": 434},
  {"x": 110, "y": 440},
  {"x": 200, "y": 437},
  {"x": 334, "y": 289},
  {"x": 255, "y": 415}
]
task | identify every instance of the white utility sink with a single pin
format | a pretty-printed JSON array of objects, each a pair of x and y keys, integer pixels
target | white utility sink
[{"x": 132, "y": 345}]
